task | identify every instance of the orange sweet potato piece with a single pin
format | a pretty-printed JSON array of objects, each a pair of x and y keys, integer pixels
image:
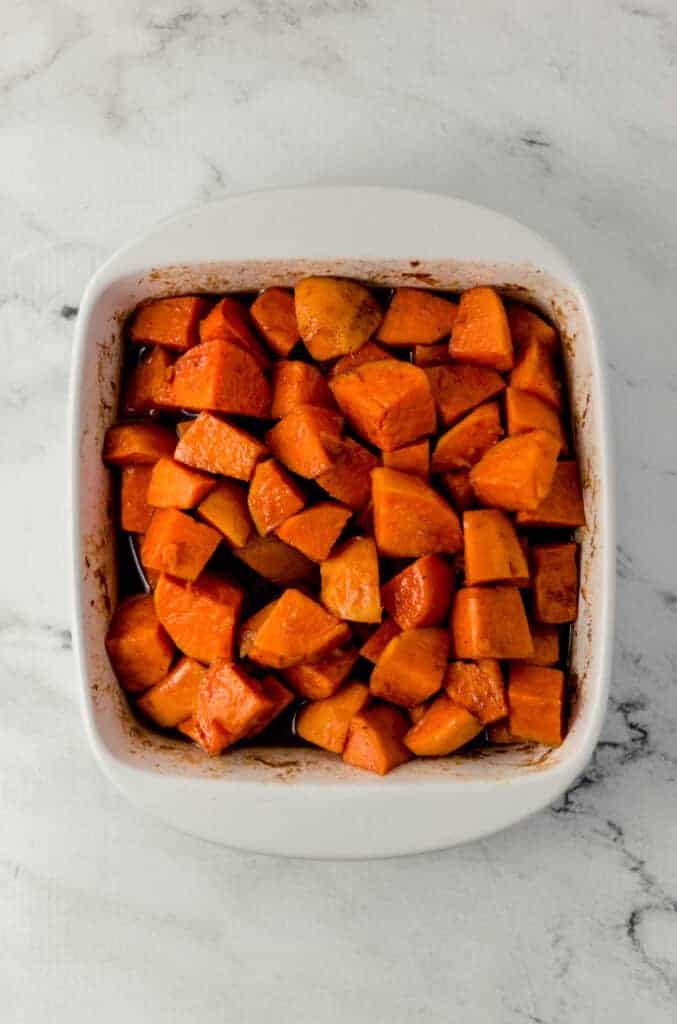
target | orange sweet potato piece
[
  {"x": 389, "y": 403},
  {"x": 375, "y": 645},
  {"x": 241, "y": 705},
  {"x": 517, "y": 473},
  {"x": 417, "y": 712},
  {"x": 176, "y": 544},
  {"x": 275, "y": 561},
  {"x": 465, "y": 443},
  {"x": 375, "y": 740},
  {"x": 417, "y": 317},
  {"x": 524, "y": 411},
  {"x": 432, "y": 355},
  {"x": 273, "y": 496},
  {"x": 444, "y": 727},
  {"x": 490, "y": 622},
  {"x": 536, "y": 699},
  {"x": 493, "y": 553},
  {"x": 174, "y": 698},
  {"x": 225, "y": 508},
  {"x": 412, "y": 666},
  {"x": 325, "y": 722},
  {"x": 350, "y": 581},
  {"x": 555, "y": 588},
  {"x": 315, "y": 530},
  {"x": 307, "y": 440},
  {"x": 129, "y": 444},
  {"x": 200, "y": 617},
  {"x": 420, "y": 595},
  {"x": 173, "y": 485},
  {"x": 534, "y": 372},
  {"x": 296, "y": 383},
  {"x": 481, "y": 334},
  {"x": 217, "y": 376},
  {"x": 349, "y": 478},
  {"x": 323, "y": 678},
  {"x": 145, "y": 381},
  {"x": 274, "y": 314},
  {"x": 369, "y": 353},
  {"x": 216, "y": 446},
  {"x": 135, "y": 512},
  {"x": 457, "y": 485},
  {"x": 526, "y": 326},
  {"x": 459, "y": 387},
  {"x": 546, "y": 644},
  {"x": 229, "y": 321},
  {"x": 334, "y": 315},
  {"x": 171, "y": 322},
  {"x": 478, "y": 686},
  {"x": 563, "y": 504},
  {"x": 411, "y": 458},
  {"x": 298, "y": 630},
  {"x": 212, "y": 738},
  {"x": 410, "y": 518},
  {"x": 138, "y": 647},
  {"x": 251, "y": 626}
]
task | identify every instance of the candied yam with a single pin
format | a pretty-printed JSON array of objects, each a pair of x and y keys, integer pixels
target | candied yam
[
  {"x": 492, "y": 551},
  {"x": 138, "y": 646},
  {"x": 325, "y": 722},
  {"x": 524, "y": 411},
  {"x": 176, "y": 544},
  {"x": 212, "y": 738},
  {"x": 369, "y": 353},
  {"x": 526, "y": 326},
  {"x": 171, "y": 322},
  {"x": 273, "y": 496},
  {"x": 315, "y": 530},
  {"x": 458, "y": 487},
  {"x": 411, "y": 458},
  {"x": 201, "y": 617},
  {"x": 323, "y": 678},
  {"x": 411, "y": 667},
  {"x": 173, "y": 485},
  {"x": 250, "y": 627},
  {"x": 229, "y": 321},
  {"x": 217, "y": 376},
  {"x": 349, "y": 478},
  {"x": 174, "y": 698},
  {"x": 481, "y": 334},
  {"x": 420, "y": 595},
  {"x": 410, "y": 518},
  {"x": 374, "y": 646},
  {"x": 389, "y": 403},
  {"x": 563, "y": 504},
  {"x": 432, "y": 355},
  {"x": 241, "y": 705},
  {"x": 350, "y": 581},
  {"x": 129, "y": 444},
  {"x": 555, "y": 583},
  {"x": 517, "y": 473},
  {"x": 298, "y": 630},
  {"x": 465, "y": 443},
  {"x": 145, "y": 381},
  {"x": 444, "y": 727},
  {"x": 335, "y": 316},
  {"x": 135, "y": 512},
  {"x": 478, "y": 686},
  {"x": 296, "y": 383},
  {"x": 545, "y": 638},
  {"x": 225, "y": 508},
  {"x": 375, "y": 740},
  {"x": 307, "y": 440},
  {"x": 535, "y": 372},
  {"x": 274, "y": 313},
  {"x": 216, "y": 446},
  {"x": 275, "y": 561},
  {"x": 490, "y": 622},
  {"x": 459, "y": 387},
  {"x": 536, "y": 699},
  {"x": 417, "y": 317}
]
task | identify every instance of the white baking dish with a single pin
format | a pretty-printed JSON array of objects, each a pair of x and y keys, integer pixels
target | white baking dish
[{"x": 300, "y": 801}]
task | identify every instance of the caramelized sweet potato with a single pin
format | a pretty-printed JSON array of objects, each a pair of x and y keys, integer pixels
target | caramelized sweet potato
[
  {"x": 375, "y": 645},
  {"x": 217, "y": 446},
  {"x": 315, "y": 530},
  {"x": 524, "y": 411},
  {"x": 200, "y": 617},
  {"x": 241, "y": 705},
  {"x": 534, "y": 372},
  {"x": 274, "y": 314},
  {"x": 349, "y": 478},
  {"x": 307, "y": 440},
  {"x": 350, "y": 581},
  {"x": 493, "y": 553},
  {"x": 273, "y": 496},
  {"x": 138, "y": 647},
  {"x": 135, "y": 512},
  {"x": 478, "y": 686},
  {"x": 325, "y": 722},
  {"x": 411, "y": 458},
  {"x": 459, "y": 387},
  {"x": 375, "y": 740},
  {"x": 130, "y": 444},
  {"x": 250, "y": 628},
  {"x": 420, "y": 595},
  {"x": 517, "y": 473},
  {"x": 275, "y": 561},
  {"x": 481, "y": 334},
  {"x": 298, "y": 630},
  {"x": 490, "y": 622},
  {"x": 410, "y": 518},
  {"x": 171, "y": 322},
  {"x": 174, "y": 698},
  {"x": 536, "y": 699},
  {"x": 296, "y": 383},
  {"x": 225, "y": 508},
  {"x": 417, "y": 317},
  {"x": 526, "y": 326},
  {"x": 229, "y": 321},
  {"x": 334, "y": 315},
  {"x": 465, "y": 443},
  {"x": 563, "y": 504},
  {"x": 432, "y": 355},
  {"x": 555, "y": 591},
  {"x": 545, "y": 638},
  {"x": 369, "y": 353},
  {"x": 173, "y": 485},
  {"x": 411, "y": 667},
  {"x": 212, "y": 738},
  {"x": 176, "y": 544},
  {"x": 145, "y": 381},
  {"x": 444, "y": 727},
  {"x": 389, "y": 403},
  {"x": 217, "y": 376},
  {"x": 458, "y": 487},
  {"x": 323, "y": 678}
]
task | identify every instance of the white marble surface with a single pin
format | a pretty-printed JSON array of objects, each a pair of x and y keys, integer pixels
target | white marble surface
[{"x": 113, "y": 116}]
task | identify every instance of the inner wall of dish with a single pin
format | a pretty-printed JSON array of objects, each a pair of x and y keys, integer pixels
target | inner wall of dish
[{"x": 126, "y": 738}]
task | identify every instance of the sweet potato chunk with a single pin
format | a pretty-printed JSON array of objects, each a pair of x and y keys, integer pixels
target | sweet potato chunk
[
  {"x": 212, "y": 738},
  {"x": 555, "y": 592},
  {"x": 273, "y": 496},
  {"x": 174, "y": 698},
  {"x": 130, "y": 444},
  {"x": 217, "y": 376},
  {"x": 298, "y": 630},
  {"x": 563, "y": 504},
  {"x": 465, "y": 443},
  {"x": 517, "y": 473},
  {"x": 411, "y": 458},
  {"x": 250, "y": 628},
  {"x": 325, "y": 722},
  {"x": 349, "y": 478},
  {"x": 225, "y": 508},
  {"x": 307, "y": 440},
  {"x": 410, "y": 518},
  {"x": 526, "y": 326},
  {"x": 323, "y": 678},
  {"x": 490, "y": 622},
  {"x": 374, "y": 740},
  {"x": 481, "y": 334},
  {"x": 375, "y": 645},
  {"x": 534, "y": 372},
  {"x": 536, "y": 699},
  {"x": 274, "y": 314},
  {"x": 200, "y": 617},
  {"x": 176, "y": 544},
  {"x": 411, "y": 667},
  {"x": 229, "y": 321},
  {"x": 389, "y": 403},
  {"x": 457, "y": 485},
  {"x": 478, "y": 686},
  {"x": 493, "y": 553},
  {"x": 275, "y": 560},
  {"x": 171, "y": 322},
  {"x": 417, "y": 317},
  {"x": 241, "y": 705},
  {"x": 420, "y": 595},
  {"x": 350, "y": 581},
  {"x": 524, "y": 411},
  {"x": 216, "y": 446},
  {"x": 545, "y": 638},
  {"x": 459, "y": 387},
  {"x": 334, "y": 315},
  {"x": 135, "y": 512},
  {"x": 173, "y": 485},
  {"x": 145, "y": 381},
  {"x": 138, "y": 647},
  {"x": 369, "y": 353},
  {"x": 315, "y": 530},
  {"x": 296, "y": 383},
  {"x": 432, "y": 355},
  {"x": 444, "y": 727}
]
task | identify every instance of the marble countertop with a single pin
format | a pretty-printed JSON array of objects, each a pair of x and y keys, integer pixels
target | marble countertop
[{"x": 115, "y": 116}]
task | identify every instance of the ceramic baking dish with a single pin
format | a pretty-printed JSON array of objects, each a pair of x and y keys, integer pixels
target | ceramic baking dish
[{"x": 300, "y": 801}]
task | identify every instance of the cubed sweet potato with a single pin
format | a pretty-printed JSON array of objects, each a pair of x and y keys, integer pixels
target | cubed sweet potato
[
  {"x": 325, "y": 722},
  {"x": 534, "y": 371},
  {"x": 421, "y": 594},
  {"x": 176, "y": 544},
  {"x": 375, "y": 740},
  {"x": 200, "y": 617},
  {"x": 417, "y": 317},
  {"x": 525, "y": 326},
  {"x": 217, "y": 376},
  {"x": 174, "y": 698},
  {"x": 135, "y": 512},
  {"x": 275, "y": 561},
  {"x": 298, "y": 630},
  {"x": 410, "y": 518},
  {"x": 545, "y": 638},
  {"x": 225, "y": 508},
  {"x": 296, "y": 383},
  {"x": 459, "y": 387},
  {"x": 171, "y": 322},
  {"x": 370, "y": 352},
  {"x": 536, "y": 700},
  {"x": 212, "y": 738},
  {"x": 250, "y": 628},
  {"x": 307, "y": 440},
  {"x": 349, "y": 478},
  {"x": 335, "y": 315},
  {"x": 173, "y": 485},
  {"x": 444, "y": 727},
  {"x": 492, "y": 551},
  {"x": 517, "y": 473},
  {"x": 230, "y": 321},
  {"x": 389, "y": 403},
  {"x": 524, "y": 411},
  {"x": 145, "y": 381},
  {"x": 216, "y": 446},
  {"x": 481, "y": 334},
  {"x": 563, "y": 504},
  {"x": 350, "y": 581},
  {"x": 432, "y": 355},
  {"x": 139, "y": 649},
  {"x": 241, "y": 705},
  {"x": 274, "y": 313},
  {"x": 458, "y": 487},
  {"x": 465, "y": 443},
  {"x": 490, "y": 622},
  {"x": 315, "y": 530},
  {"x": 478, "y": 686},
  {"x": 555, "y": 587},
  {"x": 417, "y": 712},
  {"x": 375, "y": 645},
  {"x": 130, "y": 444},
  {"x": 322, "y": 678},
  {"x": 412, "y": 666},
  {"x": 410, "y": 458},
  {"x": 273, "y": 496}
]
